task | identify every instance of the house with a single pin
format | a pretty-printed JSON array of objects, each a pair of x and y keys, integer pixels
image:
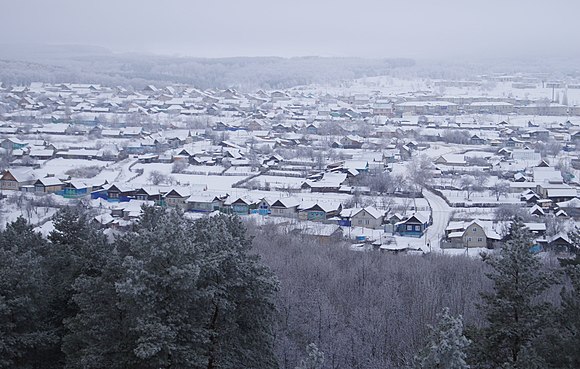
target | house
[
  {"x": 13, "y": 144},
  {"x": 559, "y": 243},
  {"x": 78, "y": 154},
  {"x": 74, "y": 189},
  {"x": 40, "y": 153},
  {"x": 14, "y": 179},
  {"x": 470, "y": 234},
  {"x": 205, "y": 202},
  {"x": 414, "y": 226},
  {"x": 242, "y": 205},
  {"x": 324, "y": 234},
  {"x": 476, "y": 140},
  {"x": 515, "y": 142},
  {"x": 473, "y": 234},
  {"x": 537, "y": 210},
  {"x": 103, "y": 220},
  {"x": 263, "y": 207},
  {"x": 113, "y": 193},
  {"x": 318, "y": 211},
  {"x": 286, "y": 207},
  {"x": 529, "y": 196},
  {"x": 571, "y": 207},
  {"x": 561, "y": 194},
  {"x": 148, "y": 194},
  {"x": 451, "y": 160},
  {"x": 330, "y": 182},
  {"x": 48, "y": 185},
  {"x": 368, "y": 217},
  {"x": 352, "y": 142},
  {"x": 176, "y": 197},
  {"x": 538, "y": 229}
]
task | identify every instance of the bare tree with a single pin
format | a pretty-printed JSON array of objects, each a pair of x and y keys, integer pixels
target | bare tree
[
  {"x": 554, "y": 225},
  {"x": 156, "y": 177},
  {"x": 419, "y": 172},
  {"x": 179, "y": 166},
  {"x": 468, "y": 184},
  {"x": 500, "y": 188}
]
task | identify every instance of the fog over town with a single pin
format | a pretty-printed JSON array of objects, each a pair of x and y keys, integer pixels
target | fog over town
[{"x": 379, "y": 184}]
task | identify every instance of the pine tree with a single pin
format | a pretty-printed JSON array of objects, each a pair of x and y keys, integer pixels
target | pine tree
[
  {"x": 574, "y": 248},
  {"x": 24, "y": 333},
  {"x": 193, "y": 295},
  {"x": 569, "y": 317},
  {"x": 563, "y": 339},
  {"x": 237, "y": 292},
  {"x": 97, "y": 335},
  {"x": 77, "y": 249},
  {"x": 157, "y": 290},
  {"x": 516, "y": 318},
  {"x": 446, "y": 345}
]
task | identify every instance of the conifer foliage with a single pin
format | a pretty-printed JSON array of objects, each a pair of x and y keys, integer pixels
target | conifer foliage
[
  {"x": 446, "y": 346},
  {"x": 25, "y": 334},
  {"x": 173, "y": 293},
  {"x": 514, "y": 310}
]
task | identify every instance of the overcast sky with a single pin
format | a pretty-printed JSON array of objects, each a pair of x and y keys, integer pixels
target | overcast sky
[{"x": 369, "y": 28}]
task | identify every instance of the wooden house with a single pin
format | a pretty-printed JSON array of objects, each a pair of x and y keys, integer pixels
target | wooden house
[
  {"x": 176, "y": 197},
  {"x": 13, "y": 144},
  {"x": 14, "y": 179},
  {"x": 148, "y": 194},
  {"x": 367, "y": 217},
  {"x": 205, "y": 202},
  {"x": 318, "y": 211},
  {"x": 414, "y": 226},
  {"x": 48, "y": 185},
  {"x": 242, "y": 205},
  {"x": 286, "y": 207}
]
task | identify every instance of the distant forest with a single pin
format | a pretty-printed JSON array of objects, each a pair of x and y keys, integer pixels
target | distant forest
[
  {"x": 93, "y": 65},
  {"x": 82, "y": 64}
]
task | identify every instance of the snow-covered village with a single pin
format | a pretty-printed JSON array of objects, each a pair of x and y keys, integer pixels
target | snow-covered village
[
  {"x": 389, "y": 164},
  {"x": 289, "y": 184}
]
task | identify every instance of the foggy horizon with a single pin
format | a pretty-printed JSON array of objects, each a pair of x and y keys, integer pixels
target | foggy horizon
[{"x": 256, "y": 28}]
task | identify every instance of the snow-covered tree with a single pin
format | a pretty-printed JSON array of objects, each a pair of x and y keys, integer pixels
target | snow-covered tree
[
  {"x": 77, "y": 248},
  {"x": 193, "y": 295},
  {"x": 314, "y": 358},
  {"x": 25, "y": 335},
  {"x": 500, "y": 188},
  {"x": 569, "y": 315},
  {"x": 446, "y": 345},
  {"x": 515, "y": 314}
]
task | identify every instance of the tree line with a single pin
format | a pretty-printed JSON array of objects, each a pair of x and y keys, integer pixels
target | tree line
[{"x": 215, "y": 293}]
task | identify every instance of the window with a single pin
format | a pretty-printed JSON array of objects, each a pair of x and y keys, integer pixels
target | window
[
  {"x": 409, "y": 227},
  {"x": 418, "y": 228},
  {"x": 474, "y": 230},
  {"x": 468, "y": 239},
  {"x": 367, "y": 222},
  {"x": 479, "y": 239}
]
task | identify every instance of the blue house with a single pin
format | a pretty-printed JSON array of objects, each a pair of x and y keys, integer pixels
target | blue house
[
  {"x": 148, "y": 194},
  {"x": 318, "y": 211},
  {"x": 414, "y": 226},
  {"x": 113, "y": 193},
  {"x": 13, "y": 144},
  {"x": 242, "y": 205},
  {"x": 134, "y": 148},
  {"x": 74, "y": 189}
]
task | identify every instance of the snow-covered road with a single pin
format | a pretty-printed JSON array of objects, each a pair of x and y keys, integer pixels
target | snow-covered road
[{"x": 441, "y": 215}]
